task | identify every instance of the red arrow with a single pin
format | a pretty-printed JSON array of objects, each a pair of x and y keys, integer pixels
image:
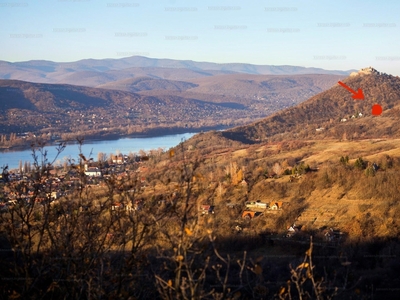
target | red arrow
[{"x": 356, "y": 95}]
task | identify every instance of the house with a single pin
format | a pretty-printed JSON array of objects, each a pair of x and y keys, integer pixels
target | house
[
  {"x": 292, "y": 230},
  {"x": 248, "y": 214},
  {"x": 256, "y": 204},
  {"x": 93, "y": 172},
  {"x": 54, "y": 195},
  {"x": 118, "y": 159},
  {"x": 207, "y": 209},
  {"x": 319, "y": 129},
  {"x": 275, "y": 205},
  {"x": 117, "y": 206},
  {"x": 343, "y": 120}
]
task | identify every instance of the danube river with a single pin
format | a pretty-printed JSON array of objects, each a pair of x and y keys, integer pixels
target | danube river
[{"x": 124, "y": 146}]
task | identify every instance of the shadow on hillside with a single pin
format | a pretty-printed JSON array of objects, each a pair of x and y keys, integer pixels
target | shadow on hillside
[
  {"x": 359, "y": 270},
  {"x": 67, "y": 97},
  {"x": 15, "y": 99},
  {"x": 237, "y": 137}
]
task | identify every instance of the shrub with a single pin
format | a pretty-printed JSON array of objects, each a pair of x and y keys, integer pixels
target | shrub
[
  {"x": 370, "y": 171},
  {"x": 360, "y": 164},
  {"x": 344, "y": 160}
]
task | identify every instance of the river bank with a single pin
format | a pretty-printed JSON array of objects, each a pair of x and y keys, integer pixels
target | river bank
[
  {"x": 91, "y": 149},
  {"x": 151, "y": 133}
]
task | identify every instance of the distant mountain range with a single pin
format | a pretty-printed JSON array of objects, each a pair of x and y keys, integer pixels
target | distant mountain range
[
  {"x": 334, "y": 113},
  {"x": 95, "y": 72}
]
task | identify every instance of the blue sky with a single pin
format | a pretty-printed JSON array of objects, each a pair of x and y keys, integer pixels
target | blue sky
[{"x": 320, "y": 33}]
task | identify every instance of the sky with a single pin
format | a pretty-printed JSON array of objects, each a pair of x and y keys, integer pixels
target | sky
[{"x": 334, "y": 35}]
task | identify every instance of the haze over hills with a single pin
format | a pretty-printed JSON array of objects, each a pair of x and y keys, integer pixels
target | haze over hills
[
  {"x": 93, "y": 72},
  {"x": 95, "y": 78},
  {"x": 334, "y": 113},
  {"x": 239, "y": 88},
  {"x": 138, "y": 84}
]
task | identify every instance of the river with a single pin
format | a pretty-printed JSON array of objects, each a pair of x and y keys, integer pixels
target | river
[{"x": 124, "y": 146}]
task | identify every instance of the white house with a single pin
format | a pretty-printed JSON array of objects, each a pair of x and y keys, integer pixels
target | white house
[
  {"x": 118, "y": 159},
  {"x": 93, "y": 172}
]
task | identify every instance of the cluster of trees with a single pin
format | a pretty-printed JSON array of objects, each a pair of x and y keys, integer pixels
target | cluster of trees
[
  {"x": 4, "y": 141},
  {"x": 24, "y": 167}
]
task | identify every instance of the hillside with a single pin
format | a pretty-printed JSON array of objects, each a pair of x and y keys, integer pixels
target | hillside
[
  {"x": 339, "y": 202},
  {"x": 61, "y": 109},
  {"x": 326, "y": 110},
  {"x": 96, "y": 78},
  {"x": 265, "y": 87},
  {"x": 146, "y": 104},
  {"x": 138, "y": 84},
  {"x": 267, "y": 92}
]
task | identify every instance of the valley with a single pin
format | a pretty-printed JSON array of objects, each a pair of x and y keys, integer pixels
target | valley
[{"x": 145, "y": 106}]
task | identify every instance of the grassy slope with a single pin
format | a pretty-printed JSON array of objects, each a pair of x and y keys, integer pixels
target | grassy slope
[{"x": 333, "y": 196}]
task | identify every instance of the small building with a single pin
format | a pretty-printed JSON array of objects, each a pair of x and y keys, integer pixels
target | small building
[
  {"x": 275, "y": 205},
  {"x": 93, "y": 172},
  {"x": 292, "y": 230},
  {"x": 206, "y": 209},
  {"x": 117, "y": 206},
  {"x": 256, "y": 205},
  {"x": 54, "y": 195},
  {"x": 248, "y": 214},
  {"x": 118, "y": 159}
]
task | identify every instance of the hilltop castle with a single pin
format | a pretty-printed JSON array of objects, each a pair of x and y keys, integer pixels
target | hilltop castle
[{"x": 367, "y": 71}]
